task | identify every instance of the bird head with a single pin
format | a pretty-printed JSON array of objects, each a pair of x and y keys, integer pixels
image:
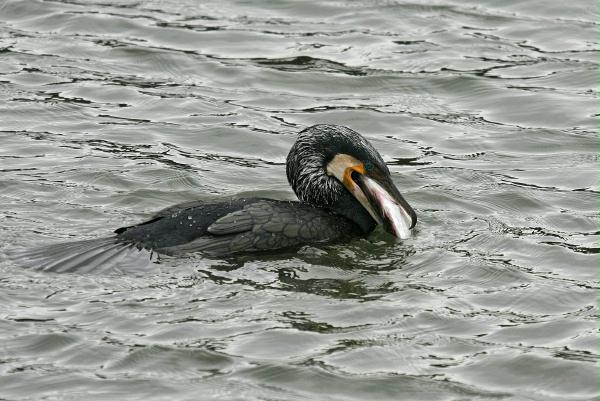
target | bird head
[{"x": 334, "y": 167}]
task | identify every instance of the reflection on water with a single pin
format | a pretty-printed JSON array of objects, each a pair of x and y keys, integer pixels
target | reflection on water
[{"x": 486, "y": 112}]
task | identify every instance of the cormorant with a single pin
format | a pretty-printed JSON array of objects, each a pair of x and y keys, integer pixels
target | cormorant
[{"x": 342, "y": 183}]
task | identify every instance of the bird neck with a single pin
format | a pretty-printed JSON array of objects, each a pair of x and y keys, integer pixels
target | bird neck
[{"x": 353, "y": 211}]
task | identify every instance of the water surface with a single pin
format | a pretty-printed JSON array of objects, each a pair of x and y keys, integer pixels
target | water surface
[{"x": 486, "y": 112}]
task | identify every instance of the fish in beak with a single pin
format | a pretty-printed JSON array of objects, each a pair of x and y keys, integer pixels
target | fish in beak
[{"x": 376, "y": 192}]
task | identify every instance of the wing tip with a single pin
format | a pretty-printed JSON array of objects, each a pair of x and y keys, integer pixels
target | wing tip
[{"x": 102, "y": 255}]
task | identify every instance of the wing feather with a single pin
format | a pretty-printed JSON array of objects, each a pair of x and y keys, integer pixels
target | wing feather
[{"x": 267, "y": 225}]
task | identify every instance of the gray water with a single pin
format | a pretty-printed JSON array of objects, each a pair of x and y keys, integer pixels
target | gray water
[{"x": 485, "y": 111}]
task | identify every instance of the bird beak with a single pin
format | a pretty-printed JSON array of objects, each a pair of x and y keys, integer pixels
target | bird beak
[{"x": 377, "y": 194}]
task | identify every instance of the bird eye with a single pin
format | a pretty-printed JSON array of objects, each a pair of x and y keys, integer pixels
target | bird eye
[{"x": 368, "y": 166}]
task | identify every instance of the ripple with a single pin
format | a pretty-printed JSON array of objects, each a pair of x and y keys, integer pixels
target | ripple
[
  {"x": 41, "y": 344},
  {"x": 520, "y": 374},
  {"x": 161, "y": 361}
]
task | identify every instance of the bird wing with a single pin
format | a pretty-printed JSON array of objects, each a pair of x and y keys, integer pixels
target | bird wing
[
  {"x": 100, "y": 255},
  {"x": 267, "y": 225},
  {"x": 180, "y": 207}
]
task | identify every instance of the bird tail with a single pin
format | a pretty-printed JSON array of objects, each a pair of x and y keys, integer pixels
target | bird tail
[{"x": 102, "y": 255}]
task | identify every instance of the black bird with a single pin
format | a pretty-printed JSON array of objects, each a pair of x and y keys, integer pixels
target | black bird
[{"x": 343, "y": 185}]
